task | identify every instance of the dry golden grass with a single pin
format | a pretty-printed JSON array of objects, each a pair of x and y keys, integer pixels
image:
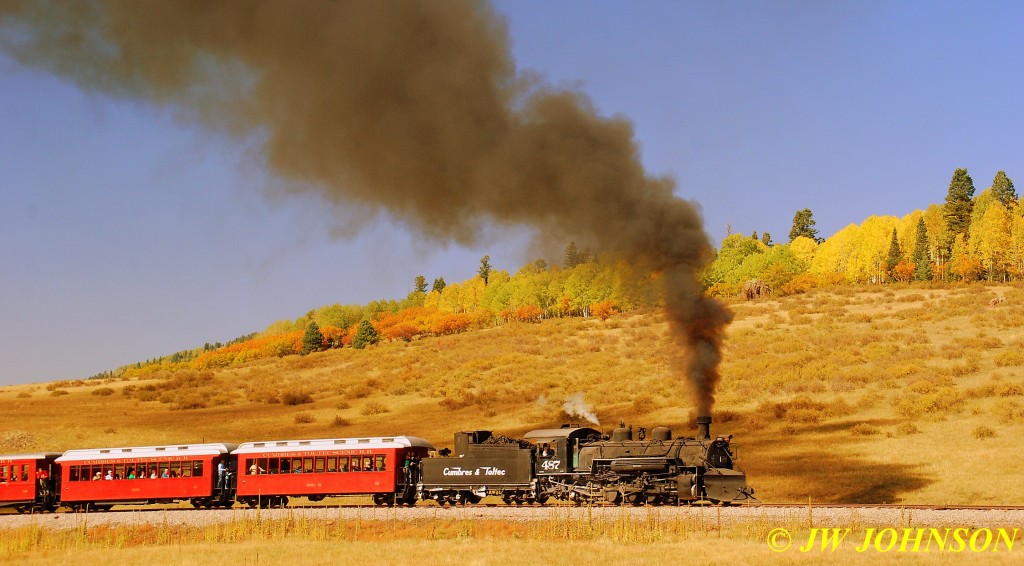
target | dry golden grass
[
  {"x": 852, "y": 394},
  {"x": 563, "y": 538}
]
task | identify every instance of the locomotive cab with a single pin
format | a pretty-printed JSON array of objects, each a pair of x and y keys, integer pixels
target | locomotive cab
[{"x": 565, "y": 444}]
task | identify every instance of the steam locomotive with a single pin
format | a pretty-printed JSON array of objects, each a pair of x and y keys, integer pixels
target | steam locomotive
[
  {"x": 580, "y": 465},
  {"x": 571, "y": 463}
]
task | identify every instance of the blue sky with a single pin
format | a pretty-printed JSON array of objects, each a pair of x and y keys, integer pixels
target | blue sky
[{"x": 126, "y": 234}]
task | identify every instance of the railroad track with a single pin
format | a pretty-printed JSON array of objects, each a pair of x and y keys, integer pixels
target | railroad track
[
  {"x": 931, "y": 507},
  {"x": 431, "y": 505}
]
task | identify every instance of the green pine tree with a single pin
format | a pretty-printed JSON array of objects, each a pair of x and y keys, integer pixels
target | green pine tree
[
  {"x": 485, "y": 268},
  {"x": 922, "y": 267},
  {"x": 313, "y": 339},
  {"x": 1002, "y": 188},
  {"x": 420, "y": 284},
  {"x": 366, "y": 335},
  {"x": 895, "y": 253},
  {"x": 958, "y": 207},
  {"x": 803, "y": 225},
  {"x": 572, "y": 256},
  {"x": 439, "y": 284}
]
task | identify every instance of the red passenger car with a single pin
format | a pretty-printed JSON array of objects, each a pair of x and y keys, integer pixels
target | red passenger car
[
  {"x": 27, "y": 481},
  {"x": 103, "y": 477},
  {"x": 384, "y": 467}
]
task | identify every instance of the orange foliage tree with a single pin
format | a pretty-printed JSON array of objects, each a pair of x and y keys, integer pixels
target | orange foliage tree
[
  {"x": 604, "y": 309},
  {"x": 903, "y": 271},
  {"x": 526, "y": 313},
  {"x": 275, "y": 345},
  {"x": 333, "y": 336},
  {"x": 451, "y": 324}
]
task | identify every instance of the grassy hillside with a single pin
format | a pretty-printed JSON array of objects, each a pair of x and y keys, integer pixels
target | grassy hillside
[{"x": 865, "y": 395}]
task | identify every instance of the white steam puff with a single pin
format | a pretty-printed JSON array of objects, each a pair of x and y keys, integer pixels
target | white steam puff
[{"x": 575, "y": 406}]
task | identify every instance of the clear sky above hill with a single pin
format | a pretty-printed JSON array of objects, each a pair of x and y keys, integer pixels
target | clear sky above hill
[{"x": 127, "y": 234}]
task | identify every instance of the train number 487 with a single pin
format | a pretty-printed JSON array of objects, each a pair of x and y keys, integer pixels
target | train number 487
[{"x": 550, "y": 465}]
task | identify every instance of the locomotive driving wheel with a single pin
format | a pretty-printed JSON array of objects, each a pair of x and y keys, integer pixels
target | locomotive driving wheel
[{"x": 637, "y": 498}]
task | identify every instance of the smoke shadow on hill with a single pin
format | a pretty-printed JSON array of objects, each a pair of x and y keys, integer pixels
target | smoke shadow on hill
[{"x": 826, "y": 476}]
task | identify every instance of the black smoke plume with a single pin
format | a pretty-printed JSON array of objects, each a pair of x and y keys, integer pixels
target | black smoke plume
[{"x": 410, "y": 108}]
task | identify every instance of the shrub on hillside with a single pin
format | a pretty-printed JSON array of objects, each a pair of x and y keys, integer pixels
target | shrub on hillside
[
  {"x": 296, "y": 397},
  {"x": 188, "y": 401},
  {"x": 982, "y": 432},
  {"x": 864, "y": 429},
  {"x": 938, "y": 404},
  {"x": 644, "y": 404},
  {"x": 103, "y": 392},
  {"x": 266, "y": 395},
  {"x": 359, "y": 391},
  {"x": 996, "y": 389},
  {"x": 1008, "y": 411},
  {"x": 304, "y": 418},
  {"x": 907, "y": 429},
  {"x": 374, "y": 408},
  {"x": 803, "y": 409},
  {"x": 1014, "y": 357}
]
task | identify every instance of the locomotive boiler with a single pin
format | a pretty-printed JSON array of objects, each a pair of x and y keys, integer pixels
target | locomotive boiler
[
  {"x": 581, "y": 465},
  {"x": 656, "y": 470}
]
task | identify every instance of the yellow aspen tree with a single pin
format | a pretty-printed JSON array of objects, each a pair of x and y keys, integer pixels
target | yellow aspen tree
[
  {"x": 867, "y": 263},
  {"x": 935, "y": 222},
  {"x": 451, "y": 297},
  {"x": 804, "y": 249},
  {"x": 833, "y": 254},
  {"x": 472, "y": 294},
  {"x": 990, "y": 240},
  {"x": 962, "y": 262},
  {"x": 432, "y": 300},
  {"x": 1016, "y": 245},
  {"x": 907, "y": 231}
]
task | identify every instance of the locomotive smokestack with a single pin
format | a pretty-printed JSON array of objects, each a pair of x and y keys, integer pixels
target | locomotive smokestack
[{"x": 703, "y": 428}]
